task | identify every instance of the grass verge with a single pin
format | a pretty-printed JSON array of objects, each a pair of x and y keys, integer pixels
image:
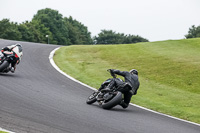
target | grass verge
[{"x": 169, "y": 72}]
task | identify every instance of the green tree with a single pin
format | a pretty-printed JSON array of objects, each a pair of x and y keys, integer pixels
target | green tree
[
  {"x": 193, "y": 32},
  {"x": 9, "y": 30},
  {"x": 53, "y": 20},
  {"x": 35, "y": 32},
  {"x": 27, "y": 34},
  {"x": 134, "y": 39},
  {"x": 111, "y": 37},
  {"x": 78, "y": 33},
  {"x": 40, "y": 31}
]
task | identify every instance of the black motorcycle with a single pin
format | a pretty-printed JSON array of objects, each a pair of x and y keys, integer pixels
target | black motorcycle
[
  {"x": 106, "y": 99},
  {"x": 6, "y": 58}
]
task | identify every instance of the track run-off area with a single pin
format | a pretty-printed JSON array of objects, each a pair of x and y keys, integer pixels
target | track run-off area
[{"x": 39, "y": 99}]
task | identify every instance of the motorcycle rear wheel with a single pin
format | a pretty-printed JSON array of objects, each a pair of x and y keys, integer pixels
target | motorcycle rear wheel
[{"x": 113, "y": 102}]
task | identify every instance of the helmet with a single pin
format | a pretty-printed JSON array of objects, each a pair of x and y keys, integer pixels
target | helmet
[
  {"x": 133, "y": 71},
  {"x": 19, "y": 46}
]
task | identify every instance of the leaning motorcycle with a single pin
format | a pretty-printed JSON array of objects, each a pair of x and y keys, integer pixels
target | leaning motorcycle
[
  {"x": 6, "y": 58},
  {"x": 106, "y": 99}
]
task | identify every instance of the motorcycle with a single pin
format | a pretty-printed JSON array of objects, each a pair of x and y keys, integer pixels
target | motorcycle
[
  {"x": 106, "y": 99},
  {"x": 6, "y": 58}
]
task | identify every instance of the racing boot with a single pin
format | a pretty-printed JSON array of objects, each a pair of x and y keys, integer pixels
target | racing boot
[
  {"x": 123, "y": 104},
  {"x": 12, "y": 69}
]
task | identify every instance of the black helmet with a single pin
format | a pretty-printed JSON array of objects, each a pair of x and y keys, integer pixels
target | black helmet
[{"x": 134, "y": 71}]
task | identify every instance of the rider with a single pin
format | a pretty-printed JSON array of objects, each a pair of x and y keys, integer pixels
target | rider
[
  {"x": 128, "y": 88},
  {"x": 17, "y": 49}
]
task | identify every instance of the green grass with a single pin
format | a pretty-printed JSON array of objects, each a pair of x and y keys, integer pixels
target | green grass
[
  {"x": 169, "y": 72},
  {"x": 3, "y": 132}
]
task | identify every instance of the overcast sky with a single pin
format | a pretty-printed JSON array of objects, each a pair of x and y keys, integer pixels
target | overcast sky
[{"x": 152, "y": 19}]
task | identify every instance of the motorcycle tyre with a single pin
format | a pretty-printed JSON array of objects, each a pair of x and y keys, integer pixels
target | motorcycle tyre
[
  {"x": 92, "y": 100},
  {"x": 4, "y": 65},
  {"x": 113, "y": 102}
]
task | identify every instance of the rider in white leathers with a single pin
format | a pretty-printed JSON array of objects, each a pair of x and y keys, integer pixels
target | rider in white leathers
[{"x": 17, "y": 49}]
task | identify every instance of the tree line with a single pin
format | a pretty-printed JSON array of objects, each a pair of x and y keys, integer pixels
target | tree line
[
  {"x": 60, "y": 30},
  {"x": 111, "y": 37},
  {"x": 50, "y": 25}
]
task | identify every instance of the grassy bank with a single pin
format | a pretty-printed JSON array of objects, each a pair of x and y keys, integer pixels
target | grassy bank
[{"x": 169, "y": 72}]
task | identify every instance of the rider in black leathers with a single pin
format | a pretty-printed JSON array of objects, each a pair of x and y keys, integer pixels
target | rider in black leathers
[{"x": 128, "y": 88}]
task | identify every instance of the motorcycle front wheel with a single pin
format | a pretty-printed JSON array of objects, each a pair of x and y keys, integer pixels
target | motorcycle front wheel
[
  {"x": 92, "y": 98},
  {"x": 3, "y": 66}
]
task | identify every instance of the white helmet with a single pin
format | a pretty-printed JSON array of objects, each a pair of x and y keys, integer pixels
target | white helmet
[{"x": 19, "y": 46}]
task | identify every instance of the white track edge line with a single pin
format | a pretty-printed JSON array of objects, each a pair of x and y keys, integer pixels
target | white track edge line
[
  {"x": 4, "y": 130},
  {"x": 58, "y": 69}
]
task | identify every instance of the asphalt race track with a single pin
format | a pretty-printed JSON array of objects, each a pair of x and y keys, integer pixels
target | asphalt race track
[{"x": 38, "y": 99}]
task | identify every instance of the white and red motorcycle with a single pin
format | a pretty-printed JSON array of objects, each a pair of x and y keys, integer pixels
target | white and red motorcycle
[{"x": 6, "y": 58}]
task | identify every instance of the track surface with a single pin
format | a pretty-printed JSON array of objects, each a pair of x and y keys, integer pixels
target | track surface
[{"x": 38, "y": 99}]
